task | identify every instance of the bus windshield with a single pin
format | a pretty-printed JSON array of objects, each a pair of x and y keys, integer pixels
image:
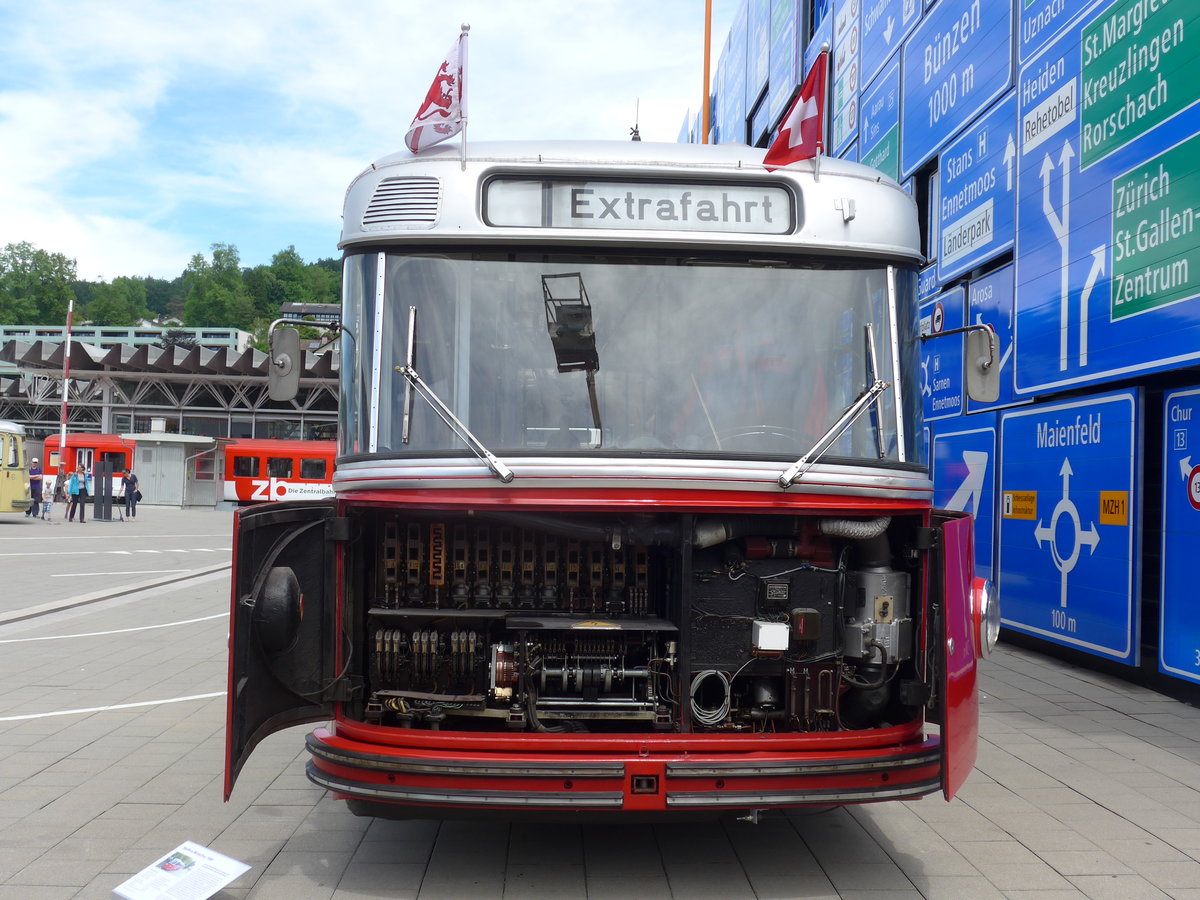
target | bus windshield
[{"x": 548, "y": 354}]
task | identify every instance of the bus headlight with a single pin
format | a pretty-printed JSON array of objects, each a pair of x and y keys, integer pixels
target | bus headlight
[{"x": 985, "y": 610}]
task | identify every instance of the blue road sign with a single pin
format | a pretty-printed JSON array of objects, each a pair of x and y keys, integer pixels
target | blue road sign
[
  {"x": 1179, "y": 643},
  {"x": 758, "y": 61},
  {"x": 957, "y": 61},
  {"x": 927, "y": 280},
  {"x": 964, "y": 478},
  {"x": 885, "y": 25},
  {"x": 847, "y": 68},
  {"x": 879, "y": 123},
  {"x": 942, "y": 357},
  {"x": 1107, "y": 248},
  {"x": 1040, "y": 20},
  {"x": 783, "y": 58},
  {"x": 1068, "y": 549},
  {"x": 990, "y": 302},
  {"x": 977, "y": 194}
]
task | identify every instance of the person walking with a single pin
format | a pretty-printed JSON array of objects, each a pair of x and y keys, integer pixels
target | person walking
[
  {"x": 78, "y": 489},
  {"x": 129, "y": 486},
  {"x": 35, "y": 488}
]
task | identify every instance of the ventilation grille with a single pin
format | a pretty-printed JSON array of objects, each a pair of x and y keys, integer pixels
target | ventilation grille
[{"x": 403, "y": 203}]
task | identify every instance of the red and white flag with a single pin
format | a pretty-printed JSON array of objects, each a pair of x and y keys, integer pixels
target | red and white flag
[
  {"x": 444, "y": 109},
  {"x": 801, "y": 136}
]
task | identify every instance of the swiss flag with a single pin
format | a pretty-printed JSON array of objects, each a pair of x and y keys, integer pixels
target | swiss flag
[
  {"x": 443, "y": 110},
  {"x": 801, "y": 134}
]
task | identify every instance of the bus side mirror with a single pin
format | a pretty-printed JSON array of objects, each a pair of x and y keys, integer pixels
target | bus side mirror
[
  {"x": 982, "y": 366},
  {"x": 285, "y": 364}
]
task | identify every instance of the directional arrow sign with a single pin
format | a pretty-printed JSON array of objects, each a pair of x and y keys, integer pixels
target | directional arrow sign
[
  {"x": 885, "y": 25},
  {"x": 1071, "y": 475},
  {"x": 1179, "y": 640},
  {"x": 964, "y": 472},
  {"x": 990, "y": 302},
  {"x": 957, "y": 61},
  {"x": 1107, "y": 233},
  {"x": 977, "y": 203},
  {"x": 879, "y": 125},
  {"x": 942, "y": 358}
]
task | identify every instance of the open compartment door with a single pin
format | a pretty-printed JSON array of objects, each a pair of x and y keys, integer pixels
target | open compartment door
[
  {"x": 951, "y": 579},
  {"x": 281, "y": 624}
]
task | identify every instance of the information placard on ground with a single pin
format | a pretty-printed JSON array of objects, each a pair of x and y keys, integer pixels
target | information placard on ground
[{"x": 189, "y": 872}]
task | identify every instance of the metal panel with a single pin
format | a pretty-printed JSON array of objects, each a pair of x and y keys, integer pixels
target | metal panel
[{"x": 1070, "y": 495}]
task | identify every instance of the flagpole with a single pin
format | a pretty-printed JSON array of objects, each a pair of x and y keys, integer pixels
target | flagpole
[
  {"x": 824, "y": 52},
  {"x": 462, "y": 84},
  {"x": 62, "y": 425},
  {"x": 704, "y": 112}
]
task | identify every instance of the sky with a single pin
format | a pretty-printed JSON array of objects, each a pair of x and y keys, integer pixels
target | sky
[{"x": 135, "y": 134}]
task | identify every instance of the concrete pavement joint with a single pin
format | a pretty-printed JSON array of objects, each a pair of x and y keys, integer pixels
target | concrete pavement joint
[{"x": 54, "y": 606}]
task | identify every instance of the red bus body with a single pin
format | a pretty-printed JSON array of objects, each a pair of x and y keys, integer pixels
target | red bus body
[
  {"x": 627, "y": 523},
  {"x": 259, "y": 470}
]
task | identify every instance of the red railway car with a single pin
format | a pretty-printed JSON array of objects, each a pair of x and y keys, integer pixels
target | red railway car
[{"x": 258, "y": 470}]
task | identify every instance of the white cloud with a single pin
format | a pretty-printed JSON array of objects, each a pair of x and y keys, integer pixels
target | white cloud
[{"x": 89, "y": 168}]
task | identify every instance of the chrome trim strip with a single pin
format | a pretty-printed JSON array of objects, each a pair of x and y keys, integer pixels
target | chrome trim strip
[
  {"x": 636, "y": 473},
  {"x": 408, "y": 766},
  {"x": 897, "y": 388},
  {"x": 448, "y": 797},
  {"x": 774, "y": 768},
  {"x": 377, "y": 355},
  {"x": 759, "y": 799}
]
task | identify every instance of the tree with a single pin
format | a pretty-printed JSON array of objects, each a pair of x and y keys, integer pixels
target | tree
[
  {"x": 35, "y": 286},
  {"x": 215, "y": 295},
  {"x": 160, "y": 293},
  {"x": 177, "y": 337},
  {"x": 123, "y": 302}
]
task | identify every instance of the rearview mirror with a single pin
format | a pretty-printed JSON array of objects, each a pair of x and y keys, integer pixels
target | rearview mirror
[
  {"x": 285, "y": 364},
  {"x": 982, "y": 367}
]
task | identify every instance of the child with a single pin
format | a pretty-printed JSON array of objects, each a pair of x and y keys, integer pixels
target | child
[{"x": 47, "y": 504}]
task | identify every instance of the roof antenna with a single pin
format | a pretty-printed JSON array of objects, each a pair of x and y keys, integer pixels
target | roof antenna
[{"x": 634, "y": 134}]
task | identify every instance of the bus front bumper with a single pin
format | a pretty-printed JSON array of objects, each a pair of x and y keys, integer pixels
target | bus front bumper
[{"x": 391, "y": 780}]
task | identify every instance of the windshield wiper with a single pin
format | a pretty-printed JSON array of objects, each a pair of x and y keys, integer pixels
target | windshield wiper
[
  {"x": 417, "y": 383},
  {"x": 862, "y": 402}
]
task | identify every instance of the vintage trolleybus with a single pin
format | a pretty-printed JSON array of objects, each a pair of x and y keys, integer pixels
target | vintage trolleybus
[
  {"x": 632, "y": 513},
  {"x": 14, "y": 471}
]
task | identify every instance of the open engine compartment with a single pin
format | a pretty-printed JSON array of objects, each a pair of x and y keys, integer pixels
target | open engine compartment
[{"x": 557, "y": 622}]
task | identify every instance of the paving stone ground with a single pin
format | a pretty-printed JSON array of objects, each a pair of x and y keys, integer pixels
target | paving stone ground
[{"x": 1086, "y": 786}]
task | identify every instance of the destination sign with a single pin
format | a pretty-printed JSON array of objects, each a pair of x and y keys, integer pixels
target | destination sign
[
  {"x": 639, "y": 205},
  {"x": 1108, "y": 194}
]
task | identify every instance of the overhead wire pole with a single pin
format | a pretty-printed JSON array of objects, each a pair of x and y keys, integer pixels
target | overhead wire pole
[{"x": 704, "y": 113}]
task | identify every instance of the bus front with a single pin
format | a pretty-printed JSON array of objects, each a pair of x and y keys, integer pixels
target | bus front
[{"x": 632, "y": 514}]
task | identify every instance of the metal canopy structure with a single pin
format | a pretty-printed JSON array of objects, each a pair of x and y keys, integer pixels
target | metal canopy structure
[{"x": 108, "y": 384}]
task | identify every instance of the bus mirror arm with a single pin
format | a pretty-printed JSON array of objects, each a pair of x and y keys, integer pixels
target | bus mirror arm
[
  {"x": 864, "y": 400},
  {"x": 982, "y": 372},
  {"x": 286, "y": 357},
  {"x": 417, "y": 383}
]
